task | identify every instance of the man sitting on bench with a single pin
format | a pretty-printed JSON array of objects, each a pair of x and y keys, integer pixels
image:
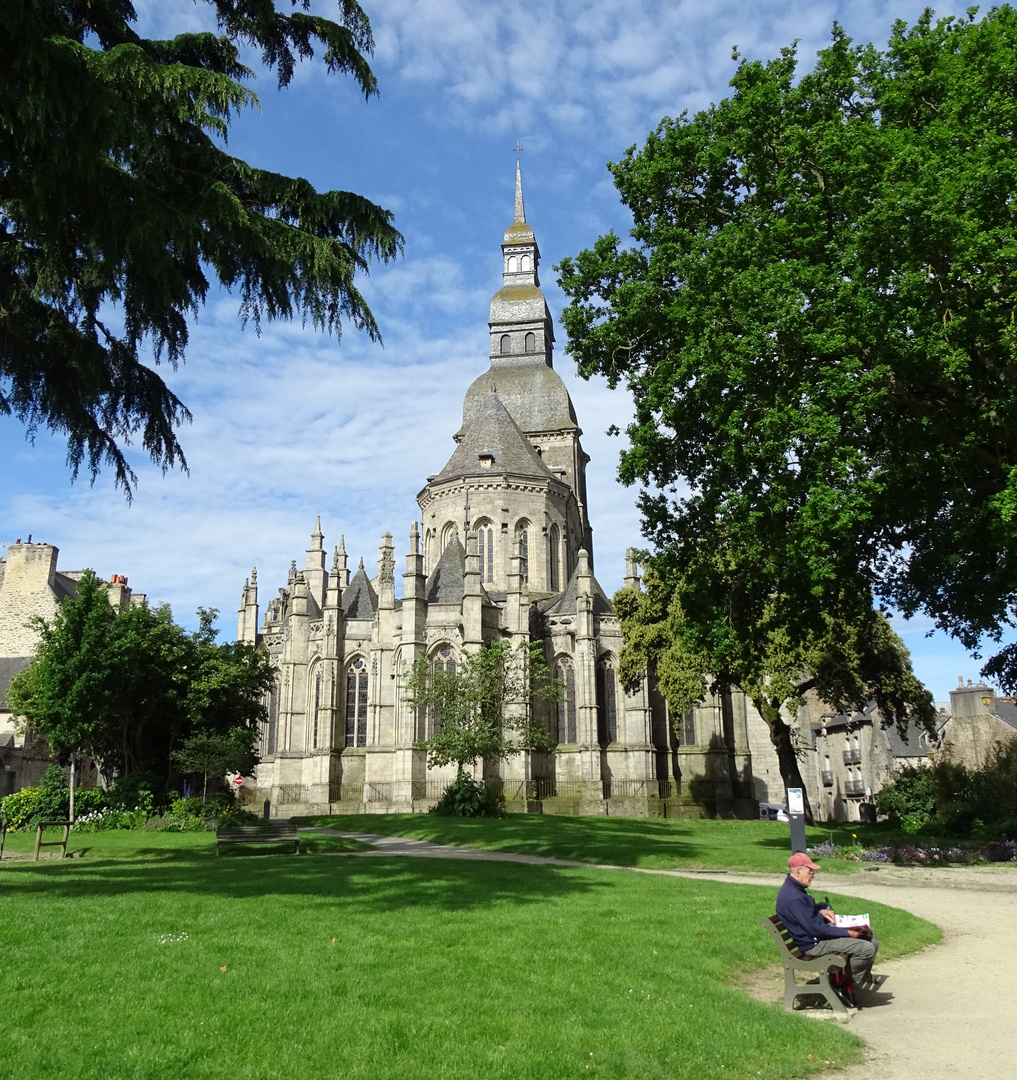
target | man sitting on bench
[{"x": 813, "y": 926}]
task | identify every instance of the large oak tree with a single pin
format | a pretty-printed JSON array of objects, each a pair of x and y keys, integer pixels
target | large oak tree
[
  {"x": 119, "y": 204},
  {"x": 815, "y": 317}
]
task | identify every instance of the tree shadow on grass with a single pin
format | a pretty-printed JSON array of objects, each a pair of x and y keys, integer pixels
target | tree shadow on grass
[
  {"x": 377, "y": 883},
  {"x": 647, "y": 842}
]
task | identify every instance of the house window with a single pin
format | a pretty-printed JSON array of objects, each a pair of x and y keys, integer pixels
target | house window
[
  {"x": 506, "y": 344},
  {"x": 531, "y": 343},
  {"x": 567, "y": 727},
  {"x": 356, "y": 703},
  {"x": 607, "y": 710}
]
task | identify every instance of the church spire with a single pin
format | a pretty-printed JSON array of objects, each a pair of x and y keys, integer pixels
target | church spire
[{"x": 520, "y": 218}]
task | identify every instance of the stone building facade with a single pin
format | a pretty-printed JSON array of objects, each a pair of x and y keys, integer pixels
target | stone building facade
[
  {"x": 502, "y": 551},
  {"x": 979, "y": 721},
  {"x": 30, "y": 586}
]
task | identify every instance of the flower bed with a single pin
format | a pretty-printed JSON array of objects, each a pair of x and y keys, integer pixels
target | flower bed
[{"x": 912, "y": 854}]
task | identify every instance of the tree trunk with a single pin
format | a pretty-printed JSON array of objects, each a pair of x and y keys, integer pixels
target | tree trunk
[{"x": 787, "y": 759}]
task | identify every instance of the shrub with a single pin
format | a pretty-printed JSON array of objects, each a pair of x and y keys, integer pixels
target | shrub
[
  {"x": 21, "y": 807},
  {"x": 912, "y": 794},
  {"x": 466, "y": 797},
  {"x": 236, "y": 815}
]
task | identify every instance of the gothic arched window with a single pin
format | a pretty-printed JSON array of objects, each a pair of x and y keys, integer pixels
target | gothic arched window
[
  {"x": 688, "y": 728},
  {"x": 449, "y": 531},
  {"x": 356, "y": 703},
  {"x": 485, "y": 548},
  {"x": 567, "y": 726},
  {"x": 444, "y": 661},
  {"x": 316, "y": 710},
  {"x": 272, "y": 732},
  {"x": 531, "y": 342},
  {"x": 523, "y": 539},
  {"x": 506, "y": 344},
  {"x": 553, "y": 576},
  {"x": 607, "y": 707}
]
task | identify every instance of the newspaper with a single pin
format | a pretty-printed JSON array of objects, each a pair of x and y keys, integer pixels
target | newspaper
[{"x": 852, "y": 922}]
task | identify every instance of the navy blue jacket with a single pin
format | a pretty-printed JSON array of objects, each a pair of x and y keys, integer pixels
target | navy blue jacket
[{"x": 800, "y": 914}]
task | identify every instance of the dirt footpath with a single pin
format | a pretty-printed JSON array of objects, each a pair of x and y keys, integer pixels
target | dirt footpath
[{"x": 948, "y": 1012}]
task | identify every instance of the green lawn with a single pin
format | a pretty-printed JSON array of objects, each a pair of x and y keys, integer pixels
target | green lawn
[
  {"x": 345, "y": 967},
  {"x": 656, "y": 843}
]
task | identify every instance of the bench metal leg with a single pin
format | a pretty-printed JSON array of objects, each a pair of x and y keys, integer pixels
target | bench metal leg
[{"x": 824, "y": 988}]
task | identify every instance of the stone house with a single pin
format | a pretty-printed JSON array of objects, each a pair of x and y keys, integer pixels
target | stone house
[
  {"x": 852, "y": 756},
  {"x": 31, "y": 585},
  {"x": 502, "y": 550},
  {"x": 979, "y": 720}
]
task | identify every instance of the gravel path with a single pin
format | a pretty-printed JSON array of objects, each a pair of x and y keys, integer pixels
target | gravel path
[{"x": 945, "y": 1013}]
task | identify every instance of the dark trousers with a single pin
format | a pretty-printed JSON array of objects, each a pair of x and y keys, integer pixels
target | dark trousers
[{"x": 862, "y": 954}]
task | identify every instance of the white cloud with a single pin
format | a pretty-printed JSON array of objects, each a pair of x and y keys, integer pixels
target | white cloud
[{"x": 291, "y": 424}]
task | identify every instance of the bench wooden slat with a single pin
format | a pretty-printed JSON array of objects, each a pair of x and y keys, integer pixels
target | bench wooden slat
[
  {"x": 793, "y": 959},
  {"x": 258, "y": 834}
]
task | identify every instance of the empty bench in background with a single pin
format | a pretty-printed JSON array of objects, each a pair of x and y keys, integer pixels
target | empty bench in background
[
  {"x": 794, "y": 959},
  {"x": 269, "y": 835}
]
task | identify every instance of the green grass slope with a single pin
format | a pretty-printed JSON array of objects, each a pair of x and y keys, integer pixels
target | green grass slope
[{"x": 149, "y": 957}]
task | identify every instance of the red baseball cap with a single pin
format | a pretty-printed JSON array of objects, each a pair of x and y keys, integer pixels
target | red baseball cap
[{"x": 800, "y": 859}]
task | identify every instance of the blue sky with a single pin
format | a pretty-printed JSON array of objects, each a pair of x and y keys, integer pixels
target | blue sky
[{"x": 293, "y": 424}]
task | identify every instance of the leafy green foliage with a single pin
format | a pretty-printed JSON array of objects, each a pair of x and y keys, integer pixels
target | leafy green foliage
[
  {"x": 118, "y": 202},
  {"x": 953, "y": 800},
  {"x": 485, "y": 708},
  {"x": 467, "y": 797},
  {"x": 816, "y": 323},
  {"x": 681, "y": 627},
  {"x": 211, "y": 754},
  {"x": 20, "y": 808},
  {"x": 129, "y": 688},
  {"x": 911, "y": 795}
]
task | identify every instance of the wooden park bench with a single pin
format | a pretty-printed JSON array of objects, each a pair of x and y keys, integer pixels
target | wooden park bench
[
  {"x": 238, "y": 835},
  {"x": 794, "y": 959}
]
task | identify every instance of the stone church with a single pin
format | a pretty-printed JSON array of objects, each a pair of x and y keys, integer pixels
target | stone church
[{"x": 502, "y": 551}]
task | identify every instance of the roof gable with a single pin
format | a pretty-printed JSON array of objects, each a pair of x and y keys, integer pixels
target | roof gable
[
  {"x": 493, "y": 432},
  {"x": 359, "y": 601}
]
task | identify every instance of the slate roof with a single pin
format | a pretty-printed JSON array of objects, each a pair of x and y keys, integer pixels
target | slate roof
[
  {"x": 567, "y": 602},
  {"x": 532, "y": 392},
  {"x": 901, "y": 746},
  {"x": 359, "y": 601},
  {"x": 9, "y": 667},
  {"x": 909, "y": 747},
  {"x": 446, "y": 583},
  {"x": 1007, "y": 712},
  {"x": 495, "y": 432}
]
